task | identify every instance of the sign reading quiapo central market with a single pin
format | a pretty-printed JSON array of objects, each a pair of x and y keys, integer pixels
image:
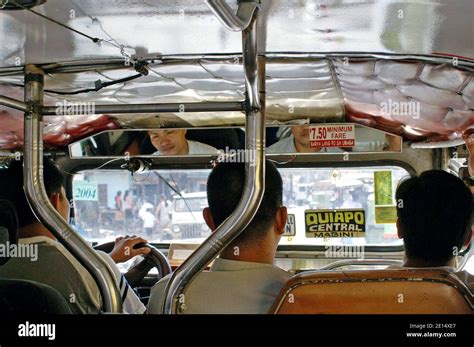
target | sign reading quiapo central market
[
  {"x": 332, "y": 135},
  {"x": 335, "y": 223}
]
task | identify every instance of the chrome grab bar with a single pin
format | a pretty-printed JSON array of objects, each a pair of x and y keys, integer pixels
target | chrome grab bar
[
  {"x": 254, "y": 185},
  {"x": 39, "y": 200},
  {"x": 348, "y": 262}
]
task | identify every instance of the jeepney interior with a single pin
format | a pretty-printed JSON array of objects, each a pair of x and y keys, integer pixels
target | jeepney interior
[{"x": 403, "y": 87}]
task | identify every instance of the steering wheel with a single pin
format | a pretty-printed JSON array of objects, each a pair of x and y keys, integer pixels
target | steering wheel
[{"x": 138, "y": 272}]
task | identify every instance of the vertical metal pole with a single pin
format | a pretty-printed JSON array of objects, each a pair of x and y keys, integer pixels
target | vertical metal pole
[
  {"x": 39, "y": 200},
  {"x": 254, "y": 185}
]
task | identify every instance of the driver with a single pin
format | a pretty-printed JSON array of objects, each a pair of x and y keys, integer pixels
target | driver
[{"x": 53, "y": 264}]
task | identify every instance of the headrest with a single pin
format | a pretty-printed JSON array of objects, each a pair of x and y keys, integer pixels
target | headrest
[{"x": 8, "y": 226}]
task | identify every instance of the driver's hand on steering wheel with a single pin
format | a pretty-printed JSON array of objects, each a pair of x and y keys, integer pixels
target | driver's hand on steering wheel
[{"x": 124, "y": 248}]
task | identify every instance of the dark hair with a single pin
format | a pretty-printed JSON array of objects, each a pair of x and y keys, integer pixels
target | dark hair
[
  {"x": 11, "y": 187},
  {"x": 225, "y": 187},
  {"x": 434, "y": 210}
]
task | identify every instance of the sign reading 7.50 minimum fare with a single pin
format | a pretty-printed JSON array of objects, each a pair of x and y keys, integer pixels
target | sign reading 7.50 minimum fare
[{"x": 335, "y": 223}]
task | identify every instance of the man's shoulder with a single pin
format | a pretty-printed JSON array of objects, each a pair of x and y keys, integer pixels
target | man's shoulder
[
  {"x": 201, "y": 148},
  {"x": 274, "y": 274},
  {"x": 161, "y": 284},
  {"x": 155, "y": 303},
  {"x": 285, "y": 145}
]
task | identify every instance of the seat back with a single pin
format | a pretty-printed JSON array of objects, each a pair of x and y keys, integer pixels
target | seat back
[
  {"x": 401, "y": 291},
  {"x": 8, "y": 226},
  {"x": 22, "y": 296},
  {"x": 19, "y": 297}
]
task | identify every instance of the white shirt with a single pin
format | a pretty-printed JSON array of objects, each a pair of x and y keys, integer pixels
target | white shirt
[
  {"x": 287, "y": 145},
  {"x": 131, "y": 304},
  {"x": 148, "y": 220},
  {"x": 143, "y": 209},
  {"x": 197, "y": 148},
  {"x": 58, "y": 268},
  {"x": 230, "y": 287},
  {"x": 163, "y": 212}
]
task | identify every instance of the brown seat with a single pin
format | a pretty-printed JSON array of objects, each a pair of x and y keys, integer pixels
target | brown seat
[{"x": 400, "y": 291}]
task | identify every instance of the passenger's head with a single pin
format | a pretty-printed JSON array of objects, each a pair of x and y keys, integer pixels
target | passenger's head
[
  {"x": 224, "y": 189},
  {"x": 11, "y": 188},
  {"x": 301, "y": 138},
  {"x": 170, "y": 142},
  {"x": 434, "y": 216}
]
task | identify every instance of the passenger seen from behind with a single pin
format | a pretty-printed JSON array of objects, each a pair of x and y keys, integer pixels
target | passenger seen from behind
[
  {"x": 243, "y": 279},
  {"x": 434, "y": 220}
]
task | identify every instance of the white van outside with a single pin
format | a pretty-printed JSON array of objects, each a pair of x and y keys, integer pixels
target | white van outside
[{"x": 187, "y": 221}]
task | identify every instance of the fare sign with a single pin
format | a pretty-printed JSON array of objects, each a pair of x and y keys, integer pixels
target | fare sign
[{"x": 332, "y": 135}]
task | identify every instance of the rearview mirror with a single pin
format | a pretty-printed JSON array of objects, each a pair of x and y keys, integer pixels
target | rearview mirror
[{"x": 295, "y": 139}]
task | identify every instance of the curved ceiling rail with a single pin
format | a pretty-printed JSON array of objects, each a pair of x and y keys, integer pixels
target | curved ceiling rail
[
  {"x": 254, "y": 185},
  {"x": 233, "y": 22},
  {"x": 39, "y": 200}
]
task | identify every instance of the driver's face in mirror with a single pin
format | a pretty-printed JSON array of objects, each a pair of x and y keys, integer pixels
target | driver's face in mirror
[{"x": 169, "y": 142}]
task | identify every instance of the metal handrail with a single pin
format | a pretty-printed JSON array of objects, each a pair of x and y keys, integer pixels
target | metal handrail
[
  {"x": 238, "y": 106},
  {"x": 42, "y": 207},
  {"x": 358, "y": 262},
  {"x": 254, "y": 185},
  {"x": 12, "y": 103}
]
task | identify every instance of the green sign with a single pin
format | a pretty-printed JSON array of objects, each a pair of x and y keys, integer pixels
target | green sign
[
  {"x": 383, "y": 188},
  {"x": 385, "y": 215},
  {"x": 85, "y": 191}
]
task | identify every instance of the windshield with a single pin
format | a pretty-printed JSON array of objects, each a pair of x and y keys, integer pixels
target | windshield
[
  {"x": 108, "y": 204},
  {"x": 189, "y": 204}
]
